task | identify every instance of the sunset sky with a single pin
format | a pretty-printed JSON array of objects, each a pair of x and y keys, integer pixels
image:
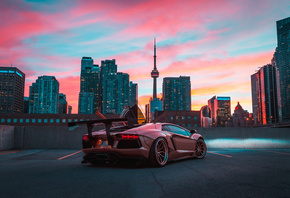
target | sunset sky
[{"x": 218, "y": 43}]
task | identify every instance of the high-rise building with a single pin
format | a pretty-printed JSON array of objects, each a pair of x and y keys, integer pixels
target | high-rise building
[
  {"x": 43, "y": 95},
  {"x": 264, "y": 95},
  {"x": 282, "y": 63},
  {"x": 133, "y": 94},
  {"x": 90, "y": 84},
  {"x": 26, "y": 105},
  {"x": 108, "y": 70},
  {"x": 155, "y": 103},
  {"x": 62, "y": 104},
  {"x": 176, "y": 93},
  {"x": 69, "y": 109},
  {"x": 11, "y": 90},
  {"x": 122, "y": 99},
  {"x": 86, "y": 101},
  {"x": 220, "y": 111}
]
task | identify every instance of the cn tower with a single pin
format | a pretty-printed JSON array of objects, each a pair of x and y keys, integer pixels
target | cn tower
[{"x": 154, "y": 73}]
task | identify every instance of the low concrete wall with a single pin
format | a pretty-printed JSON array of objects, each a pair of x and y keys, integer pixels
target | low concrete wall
[
  {"x": 59, "y": 137},
  {"x": 246, "y": 137},
  {"x": 6, "y": 137},
  {"x": 48, "y": 137}
]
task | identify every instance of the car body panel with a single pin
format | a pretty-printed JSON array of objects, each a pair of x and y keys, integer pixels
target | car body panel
[{"x": 179, "y": 146}]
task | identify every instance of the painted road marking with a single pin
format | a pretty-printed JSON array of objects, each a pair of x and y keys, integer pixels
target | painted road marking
[
  {"x": 9, "y": 152},
  {"x": 271, "y": 151},
  {"x": 69, "y": 155},
  {"x": 219, "y": 154}
]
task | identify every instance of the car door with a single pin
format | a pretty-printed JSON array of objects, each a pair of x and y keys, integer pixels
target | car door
[{"x": 183, "y": 142}]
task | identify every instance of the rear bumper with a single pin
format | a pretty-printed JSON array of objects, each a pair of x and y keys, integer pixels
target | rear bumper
[{"x": 107, "y": 154}]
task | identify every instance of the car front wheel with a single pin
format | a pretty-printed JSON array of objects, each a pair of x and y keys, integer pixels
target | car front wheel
[{"x": 159, "y": 152}]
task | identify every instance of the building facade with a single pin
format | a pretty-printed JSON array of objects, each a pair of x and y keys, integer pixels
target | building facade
[
  {"x": 133, "y": 94},
  {"x": 264, "y": 95},
  {"x": 282, "y": 64},
  {"x": 176, "y": 93},
  {"x": 86, "y": 101},
  {"x": 220, "y": 111},
  {"x": 11, "y": 90},
  {"x": 43, "y": 96},
  {"x": 62, "y": 104},
  {"x": 187, "y": 119},
  {"x": 107, "y": 83},
  {"x": 90, "y": 83}
]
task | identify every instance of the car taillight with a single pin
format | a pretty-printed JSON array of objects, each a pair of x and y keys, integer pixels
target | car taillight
[
  {"x": 129, "y": 136},
  {"x": 85, "y": 138}
]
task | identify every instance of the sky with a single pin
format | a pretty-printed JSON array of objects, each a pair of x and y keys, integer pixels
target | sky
[{"x": 218, "y": 43}]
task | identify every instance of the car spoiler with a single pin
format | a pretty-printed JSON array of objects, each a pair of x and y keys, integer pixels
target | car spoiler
[{"x": 90, "y": 125}]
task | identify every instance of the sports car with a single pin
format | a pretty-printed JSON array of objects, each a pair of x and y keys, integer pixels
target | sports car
[{"x": 156, "y": 142}]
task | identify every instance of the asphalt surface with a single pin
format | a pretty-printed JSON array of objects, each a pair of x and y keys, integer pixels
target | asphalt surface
[{"x": 222, "y": 173}]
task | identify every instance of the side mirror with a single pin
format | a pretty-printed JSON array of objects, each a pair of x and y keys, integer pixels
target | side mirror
[{"x": 193, "y": 131}]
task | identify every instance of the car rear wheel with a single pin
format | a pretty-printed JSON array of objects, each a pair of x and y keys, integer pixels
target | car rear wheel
[
  {"x": 200, "y": 149},
  {"x": 159, "y": 152}
]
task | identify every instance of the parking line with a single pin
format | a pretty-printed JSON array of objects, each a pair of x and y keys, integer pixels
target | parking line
[
  {"x": 271, "y": 151},
  {"x": 69, "y": 155},
  {"x": 219, "y": 154},
  {"x": 8, "y": 152}
]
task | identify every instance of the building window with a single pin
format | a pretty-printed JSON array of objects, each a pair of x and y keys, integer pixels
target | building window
[
  {"x": 15, "y": 120},
  {"x": 171, "y": 118},
  {"x": 2, "y": 120},
  {"x": 69, "y": 120},
  {"x": 21, "y": 120},
  {"x": 195, "y": 118},
  {"x": 57, "y": 121},
  {"x": 27, "y": 120},
  {"x": 33, "y": 120},
  {"x": 45, "y": 120},
  {"x": 183, "y": 117},
  {"x": 63, "y": 120},
  {"x": 189, "y": 125},
  {"x": 183, "y": 125},
  {"x": 39, "y": 120},
  {"x": 189, "y": 117},
  {"x": 195, "y": 125},
  {"x": 51, "y": 120},
  {"x": 176, "y": 117},
  {"x": 81, "y": 119},
  {"x": 76, "y": 120},
  {"x": 8, "y": 120}
]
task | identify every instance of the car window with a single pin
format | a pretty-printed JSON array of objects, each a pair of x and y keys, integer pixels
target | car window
[
  {"x": 165, "y": 128},
  {"x": 178, "y": 130}
]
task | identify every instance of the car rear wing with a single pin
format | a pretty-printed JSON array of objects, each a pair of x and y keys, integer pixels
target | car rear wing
[{"x": 90, "y": 124}]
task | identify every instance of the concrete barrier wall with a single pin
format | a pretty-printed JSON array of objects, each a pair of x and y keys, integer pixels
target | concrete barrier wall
[
  {"x": 48, "y": 137},
  {"x": 246, "y": 137},
  {"x": 59, "y": 137},
  {"x": 6, "y": 137}
]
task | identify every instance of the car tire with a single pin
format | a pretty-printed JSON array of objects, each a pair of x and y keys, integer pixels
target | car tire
[
  {"x": 200, "y": 149},
  {"x": 158, "y": 155}
]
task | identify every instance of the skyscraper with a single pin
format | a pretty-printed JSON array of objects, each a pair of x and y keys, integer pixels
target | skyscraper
[
  {"x": 220, "y": 111},
  {"x": 155, "y": 103},
  {"x": 43, "y": 95},
  {"x": 90, "y": 80},
  {"x": 62, "y": 104},
  {"x": 133, "y": 94},
  {"x": 11, "y": 90},
  {"x": 108, "y": 70},
  {"x": 177, "y": 93},
  {"x": 122, "y": 91},
  {"x": 282, "y": 63},
  {"x": 264, "y": 95}
]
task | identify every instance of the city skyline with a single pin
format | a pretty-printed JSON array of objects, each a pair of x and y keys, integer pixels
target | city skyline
[{"x": 219, "y": 45}]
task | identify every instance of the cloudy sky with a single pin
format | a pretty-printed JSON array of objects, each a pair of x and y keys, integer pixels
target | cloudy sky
[{"x": 218, "y": 43}]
